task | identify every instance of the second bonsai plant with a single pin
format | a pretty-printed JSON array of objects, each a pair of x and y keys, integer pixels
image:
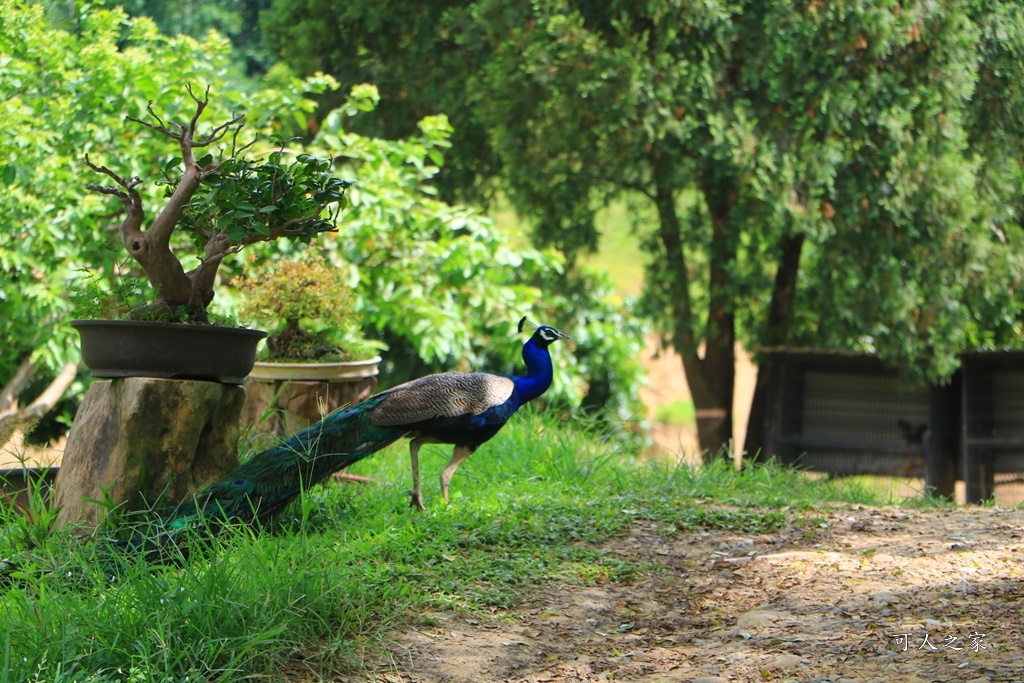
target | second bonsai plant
[{"x": 308, "y": 303}]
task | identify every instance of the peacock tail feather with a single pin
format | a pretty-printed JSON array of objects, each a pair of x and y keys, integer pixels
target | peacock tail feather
[{"x": 265, "y": 484}]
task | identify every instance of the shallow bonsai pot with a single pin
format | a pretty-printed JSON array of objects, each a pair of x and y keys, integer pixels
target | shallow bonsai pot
[
  {"x": 128, "y": 348},
  {"x": 329, "y": 372}
]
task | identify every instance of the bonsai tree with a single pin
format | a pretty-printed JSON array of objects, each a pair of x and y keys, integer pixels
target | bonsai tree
[
  {"x": 309, "y": 304},
  {"x": 222, "y": 204}
]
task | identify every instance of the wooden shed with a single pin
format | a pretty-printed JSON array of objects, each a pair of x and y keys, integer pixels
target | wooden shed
[
  {"x": 991, "y": 419},
  {"x": 845, "y": 414}
]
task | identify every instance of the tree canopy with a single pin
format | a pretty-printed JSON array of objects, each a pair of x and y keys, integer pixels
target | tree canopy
[
  {"x": 841, "y": 175},
  {"x": 436, "y": 280}
]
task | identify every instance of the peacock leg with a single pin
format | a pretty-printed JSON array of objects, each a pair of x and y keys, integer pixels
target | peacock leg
[
  {"x": 414, "y": 456},
  {"x": 458, "y": 455}
]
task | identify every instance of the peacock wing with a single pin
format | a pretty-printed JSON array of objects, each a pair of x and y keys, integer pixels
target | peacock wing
[{"x": 445, "y": 395}]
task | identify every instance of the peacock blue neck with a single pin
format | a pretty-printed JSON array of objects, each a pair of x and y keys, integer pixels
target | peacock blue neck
[{"x": 538, "y": 372}]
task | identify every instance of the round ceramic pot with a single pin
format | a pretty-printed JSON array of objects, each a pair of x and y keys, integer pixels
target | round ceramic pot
[{"x": 329, "y": 372}]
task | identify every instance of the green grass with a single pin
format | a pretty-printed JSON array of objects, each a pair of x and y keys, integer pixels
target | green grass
[
  {"x": 619, "y": 250},
  {"x": 899, "y": 491},
  {"x": 621, "y": 225},
  {"x": 317, "y": 592},
  {"x": 678, "y": 413}
]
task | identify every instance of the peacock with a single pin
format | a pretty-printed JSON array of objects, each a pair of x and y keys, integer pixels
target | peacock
[{"x": 464, "y": 409}]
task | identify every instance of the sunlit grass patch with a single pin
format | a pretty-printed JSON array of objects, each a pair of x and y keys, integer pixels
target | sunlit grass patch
[{"x": 325, "y": 583}]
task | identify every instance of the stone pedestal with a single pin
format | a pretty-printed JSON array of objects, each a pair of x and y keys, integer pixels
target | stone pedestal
[
  {"x": 139, "y": 442},
  {"x": 277, "y": 409}
]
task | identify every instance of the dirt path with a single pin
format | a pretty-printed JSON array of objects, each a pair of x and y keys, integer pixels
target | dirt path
[{"x": 851, "y": 600}]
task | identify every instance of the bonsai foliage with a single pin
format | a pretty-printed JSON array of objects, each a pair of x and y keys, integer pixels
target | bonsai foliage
[
  {"x": 222, "y": 204},
  {"x": 310, "y": 302}
]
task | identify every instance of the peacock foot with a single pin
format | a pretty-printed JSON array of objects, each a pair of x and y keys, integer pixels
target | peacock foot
[{"x": 416, "y": 500}]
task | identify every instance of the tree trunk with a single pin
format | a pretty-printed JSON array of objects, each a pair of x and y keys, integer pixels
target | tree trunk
[
  {"x": 776, "y": 331},
  {"x": 711, "y": 377},
  {"x": 14, "y": 418},
  {"x": 714, "y": 406},
  {"x": 944, "y": 438}
]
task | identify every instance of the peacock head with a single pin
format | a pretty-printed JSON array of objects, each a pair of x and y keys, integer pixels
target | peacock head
[{"x": 543, "y": 336}]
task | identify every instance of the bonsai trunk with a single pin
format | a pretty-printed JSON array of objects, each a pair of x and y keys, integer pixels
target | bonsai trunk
[
  {"x": 296, "y": 344},
  {"x": 151, "y": 247}
]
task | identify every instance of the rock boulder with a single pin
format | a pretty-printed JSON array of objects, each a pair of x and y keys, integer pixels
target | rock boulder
[{"x": 139, "y": 442}]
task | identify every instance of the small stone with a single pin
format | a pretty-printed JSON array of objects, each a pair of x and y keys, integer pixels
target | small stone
[
  {"x": 710, "y": 679},
  {"x": 885, "y": 597},
  {"x": 783, "y": 662},
  {"x": 980, "y": 679},
  {"x": 759, "y": 619}
]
